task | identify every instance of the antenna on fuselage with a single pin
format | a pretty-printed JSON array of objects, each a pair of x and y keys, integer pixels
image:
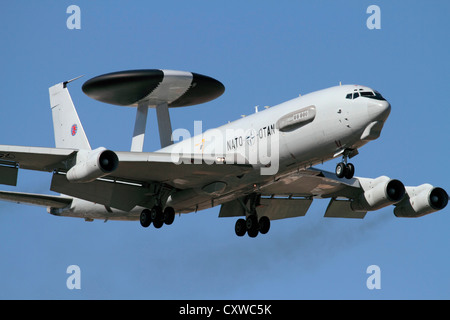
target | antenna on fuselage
[{"x": 65, "y": 83}]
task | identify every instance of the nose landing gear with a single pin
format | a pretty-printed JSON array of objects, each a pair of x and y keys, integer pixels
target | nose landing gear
[{"x": 344, "y": 169}]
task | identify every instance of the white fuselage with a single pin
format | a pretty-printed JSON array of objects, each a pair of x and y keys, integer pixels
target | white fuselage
[
  {"x": 276, "y": 141},
  {"x": 339, "y": 123},
  {"x": 333, "y": 123}
]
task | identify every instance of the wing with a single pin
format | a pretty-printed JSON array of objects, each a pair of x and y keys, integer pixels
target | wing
[
  {"x": 35, "y": 158},
  {"x": 291, "y": 196},
  {"x": 313, "y": 183},
  {"x": 178, "y": 172},
  {"x": 137, "y": 180},
  {"x": 142, "y": 178},
  {"x": 36, "y": 199},
  {"x": 133, "y": 166}
]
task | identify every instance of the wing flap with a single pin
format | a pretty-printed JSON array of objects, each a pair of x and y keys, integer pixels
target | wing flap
[
  {"x": 232, "y": 209},
  {"x": 282, "y": 208},
  {"x": 123, "y": 196},
  {"x": 310, "y": 183},
  {"x": 273, "y": 208},
  {"x": 313, "y": 183},
  {"x": 342, "y": 209},
  {"x": 8, "y": 175}
]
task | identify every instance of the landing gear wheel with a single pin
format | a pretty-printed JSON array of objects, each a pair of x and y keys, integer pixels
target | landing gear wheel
[
  {"x": 157, "y": 213},
  {"x": 349, "y": 170},
  {"x": 240, "y": 227},
  {"x": 340, "y": 170},
  {"x": 145, "y": 218},
  {"x": 264, "y": 225},
  {"x": 169, "y": 215},
  {"x": 251, "y": 222},
  {"x": 158, "y": 224},
  {"x": 252, "y": 225},
  {"x": 252, "y": 233},
  {"x": 157, "y": 217}
]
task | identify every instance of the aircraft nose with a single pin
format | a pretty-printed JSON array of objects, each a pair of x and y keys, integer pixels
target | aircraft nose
[{"x": 379, "y": 110}]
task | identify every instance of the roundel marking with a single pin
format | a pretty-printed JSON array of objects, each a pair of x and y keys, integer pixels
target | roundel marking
[
  {"x": 251, "y": 137},
  {"x": 74, "y": 129}
]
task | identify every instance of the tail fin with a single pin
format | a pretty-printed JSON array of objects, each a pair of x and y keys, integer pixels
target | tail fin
[{"x": 69, "y": 132}]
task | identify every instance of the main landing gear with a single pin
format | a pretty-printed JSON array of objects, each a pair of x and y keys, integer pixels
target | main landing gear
[
  {"x": 158, "y": 216},
  {"x": 251, "y": 225}
]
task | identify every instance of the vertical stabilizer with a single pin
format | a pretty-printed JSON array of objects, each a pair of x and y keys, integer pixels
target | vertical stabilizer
[{"x": 69, "y": 132}]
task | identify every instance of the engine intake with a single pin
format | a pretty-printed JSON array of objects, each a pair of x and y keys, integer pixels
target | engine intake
[
  {"x": 421, "y": 200},
  {"x": 378, "y": 193},
  {"x": 91, "y": 165}
]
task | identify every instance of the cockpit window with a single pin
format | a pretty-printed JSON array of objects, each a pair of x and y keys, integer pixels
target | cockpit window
[
  {"x": 368, "y": 94},
  {"x": 378, "y": 96}
]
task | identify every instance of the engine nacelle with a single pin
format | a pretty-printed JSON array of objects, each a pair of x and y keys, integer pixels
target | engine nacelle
[
  {"x": 91, "y": 165},
  {"x": 378, "y": 193},
  {"x": 421, "y": 200}
]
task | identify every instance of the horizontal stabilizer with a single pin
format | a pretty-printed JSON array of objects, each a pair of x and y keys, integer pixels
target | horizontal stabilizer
[{"x": 36, "y": 199}]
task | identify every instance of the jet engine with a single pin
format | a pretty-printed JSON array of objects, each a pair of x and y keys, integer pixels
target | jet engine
[
  {"x": 378, "y": 193},
  {"x": 91, "y": 165},
  {"x": 421, "y": 200}
]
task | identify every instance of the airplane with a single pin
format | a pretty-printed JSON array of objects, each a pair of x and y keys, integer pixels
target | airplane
[{"x": 259, "y": 168}]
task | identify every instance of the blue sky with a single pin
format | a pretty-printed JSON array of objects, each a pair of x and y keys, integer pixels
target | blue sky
[{"x": 264, "y": 52}]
